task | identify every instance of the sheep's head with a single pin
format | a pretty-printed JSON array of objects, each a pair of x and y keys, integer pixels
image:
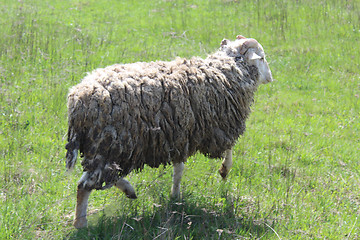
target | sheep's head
[{"x": 252, "y": 52}]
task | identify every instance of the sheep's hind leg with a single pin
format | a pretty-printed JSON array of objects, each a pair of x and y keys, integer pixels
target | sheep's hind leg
[
  {"x": 178, "y": 172},
  {"x": 125, "y": 186},
  {"x": 226, "y": 164},
  {"x": 83, "y": 194}
]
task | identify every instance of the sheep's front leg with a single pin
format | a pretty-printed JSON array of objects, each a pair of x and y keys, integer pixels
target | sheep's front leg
[
  {"x": 178, "y": 172},
  {"x": 226, "y": 164},
  {"x": 80, "y": 220},
  {"x": 126, "y": 187}
]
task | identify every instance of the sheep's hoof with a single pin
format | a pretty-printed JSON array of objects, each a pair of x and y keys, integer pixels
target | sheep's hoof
[
  {"x": 80, "y": 223},
  {"x": 223, "y": 171},
  {"x": 175, "y": 195},
  {"x": 130, "y": 194}
]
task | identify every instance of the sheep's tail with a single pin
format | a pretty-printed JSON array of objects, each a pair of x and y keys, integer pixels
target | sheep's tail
[
  {"x": 72, "y": 148},
  {"x": 75, "y": 118}
]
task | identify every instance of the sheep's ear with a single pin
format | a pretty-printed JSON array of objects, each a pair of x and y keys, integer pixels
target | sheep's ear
[
  {"x": 254, "y": 56},
  {"x": 248, "y": 43},
  {"x": 240, "y": 37},
  {"x": 224, "y": 42}
]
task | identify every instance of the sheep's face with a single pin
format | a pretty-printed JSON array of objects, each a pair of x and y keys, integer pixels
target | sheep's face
[{"x": 252, "y": 52}]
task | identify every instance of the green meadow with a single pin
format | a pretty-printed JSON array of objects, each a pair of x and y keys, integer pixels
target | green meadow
[{"x": 296, "y": 172}]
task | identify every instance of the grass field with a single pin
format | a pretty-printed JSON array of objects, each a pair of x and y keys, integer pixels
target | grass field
[{"x": 296, "y": 173}]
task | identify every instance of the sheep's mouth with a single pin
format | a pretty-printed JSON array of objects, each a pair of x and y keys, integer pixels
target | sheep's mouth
[{"x": 269, "y": 80}]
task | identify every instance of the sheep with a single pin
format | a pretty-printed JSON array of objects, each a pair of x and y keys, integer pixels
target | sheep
[{"x": 124, "y": 116}]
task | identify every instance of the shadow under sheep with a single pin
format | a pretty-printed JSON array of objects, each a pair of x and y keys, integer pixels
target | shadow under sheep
[{"x": 178, "y": 220}]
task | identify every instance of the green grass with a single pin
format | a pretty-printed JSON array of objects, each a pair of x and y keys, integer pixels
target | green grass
[{"x": 296, "y": 173}]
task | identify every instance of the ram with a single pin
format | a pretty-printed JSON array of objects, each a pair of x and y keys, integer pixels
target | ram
[{"x": 125, "y": 116}]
